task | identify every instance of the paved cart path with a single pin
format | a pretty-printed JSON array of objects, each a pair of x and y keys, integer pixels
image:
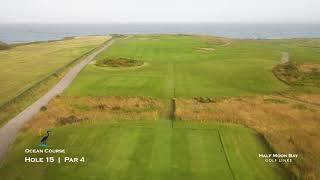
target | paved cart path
[{"x": 9, "y": 131}]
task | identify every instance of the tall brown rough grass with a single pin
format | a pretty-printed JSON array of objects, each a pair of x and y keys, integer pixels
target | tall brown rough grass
[
  {"x": 303, "y": 97},
  {"x": 67, "y": 109},
  {"x": 288, "y": 126}
]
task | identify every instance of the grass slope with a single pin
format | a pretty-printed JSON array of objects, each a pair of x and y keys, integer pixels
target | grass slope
[
  {"x": 22, "y": 66},
  {"x": 121, "y": 150}
]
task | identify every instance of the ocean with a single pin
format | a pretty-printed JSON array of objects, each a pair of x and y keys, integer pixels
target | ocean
[{"x": 26, "y": 32}]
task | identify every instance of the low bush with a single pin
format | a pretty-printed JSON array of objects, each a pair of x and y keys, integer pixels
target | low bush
[
  {"x": 119, "y": 62},
  {"x": 70, "y": 119}
]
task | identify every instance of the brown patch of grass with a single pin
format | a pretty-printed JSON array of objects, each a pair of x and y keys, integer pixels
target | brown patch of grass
[
  {"x": 119, "y": 62},
  {"x": 309, "y": 68},
  {"x": 288, "y": 126},
  {"x": 69, "y": 109},
  {"x": 312, "y": 98}
]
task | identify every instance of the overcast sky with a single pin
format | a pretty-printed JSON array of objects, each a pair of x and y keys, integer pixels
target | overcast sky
[{"x": 159, "y": 11}]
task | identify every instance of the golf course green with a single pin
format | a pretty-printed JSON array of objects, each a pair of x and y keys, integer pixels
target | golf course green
[{"x": 161, "y": 68}]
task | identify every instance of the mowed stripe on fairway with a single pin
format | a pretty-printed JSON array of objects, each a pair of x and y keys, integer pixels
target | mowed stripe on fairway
[
  {"x": 140, "y": 159},
  {"x": 206, "y": 152},
  {"x": 118, "y": 166},
  {"x": 244, "y": 161},
  {"x": 159, "y": 167},
  {"x": 150, "y": 150}
]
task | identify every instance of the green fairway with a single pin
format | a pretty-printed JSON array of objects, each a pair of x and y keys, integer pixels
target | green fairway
[
  {"x": 23, "y": 65},
  {"x": 150, "y": 150},
  {"x": 178, "y": 66},
  {"x": 182, "y": 66},
  {"x": 124, "y": 134}
]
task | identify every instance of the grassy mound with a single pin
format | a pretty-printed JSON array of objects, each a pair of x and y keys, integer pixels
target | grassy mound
[
  {"x": 287, "y": 73},
  {"x": 299, "y": 75},
  {"x": 119, "y": 62},
  {"x": 4, "y": 46}
]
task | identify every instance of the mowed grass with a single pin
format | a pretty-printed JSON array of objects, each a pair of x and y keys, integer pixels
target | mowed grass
[
  {"x": 175, "y": 66},
  {"x": 185, "y": 66},
  {"x": 23, "y": 65},
  {"x": 288, "y": 126},
  {"x": 178, "y": 66},
  {"x": 146, "y": 150}
]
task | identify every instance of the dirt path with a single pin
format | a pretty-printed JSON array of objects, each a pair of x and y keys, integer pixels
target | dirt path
[{"x": 9, "y": 131}]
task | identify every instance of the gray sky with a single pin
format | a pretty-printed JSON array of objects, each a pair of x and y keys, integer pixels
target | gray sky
[{"x": 159, "y": 10}]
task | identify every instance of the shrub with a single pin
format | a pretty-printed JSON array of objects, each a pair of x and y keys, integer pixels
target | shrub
[
  {"x": 43, "y": 108},
  {"x": 205, "y": 100},
  {"x": 70, "y": 119},
  {"x": 119, "y": 62}
]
